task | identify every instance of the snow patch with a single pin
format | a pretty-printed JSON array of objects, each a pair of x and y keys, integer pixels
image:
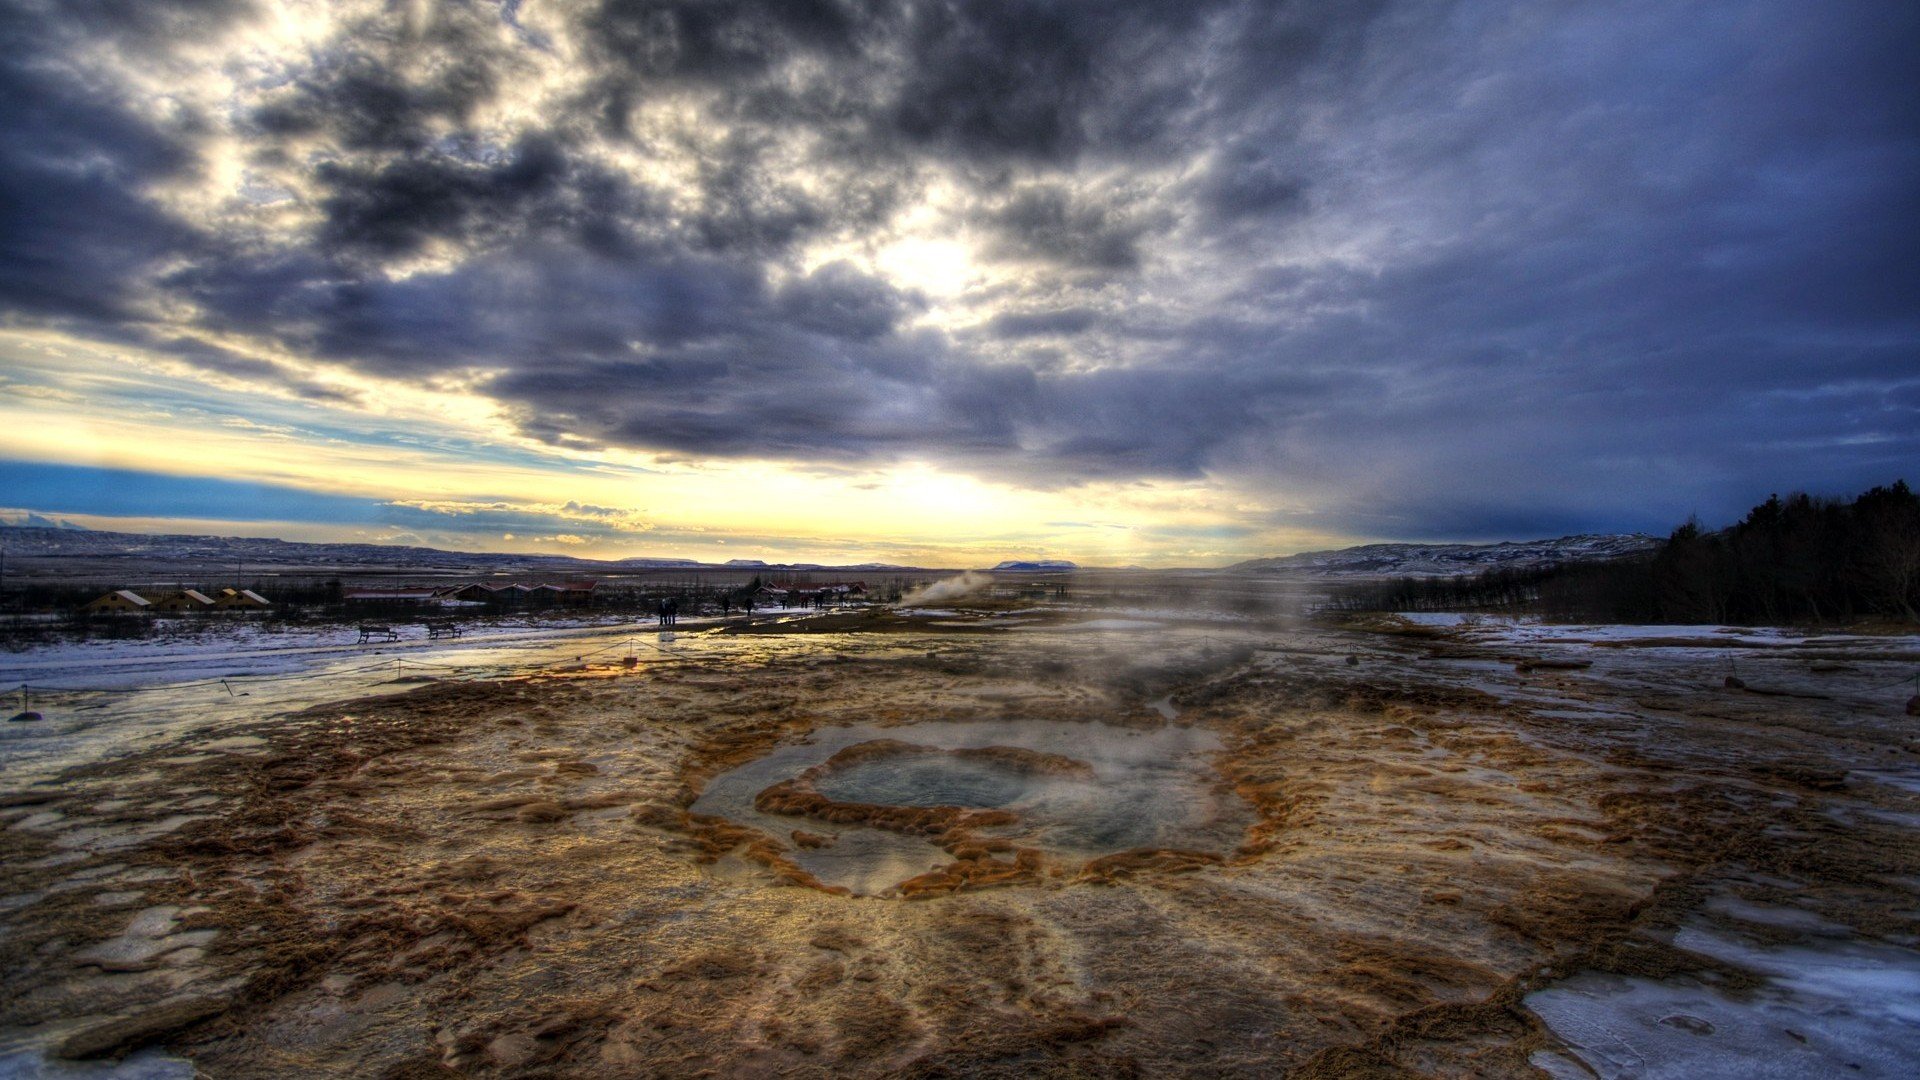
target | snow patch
[{"x": 1839, "y": 1009}]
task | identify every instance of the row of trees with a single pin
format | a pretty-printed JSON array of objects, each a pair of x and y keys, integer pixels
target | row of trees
[
  {"x": 1800, "y": 559},
  {"x": 1500, "y": 589}
]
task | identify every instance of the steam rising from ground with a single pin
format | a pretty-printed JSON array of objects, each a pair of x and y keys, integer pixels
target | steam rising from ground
[
  {"x": 1070, "y": 791},
  {"x": 1470, "y": 859},
  {"x": 947, "y": 589}
]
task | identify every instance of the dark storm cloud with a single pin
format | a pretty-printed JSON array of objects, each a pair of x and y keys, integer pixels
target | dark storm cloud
[
  {"x": 838, "y": 300},
  {"x": 717, "y": 40},
  {"x": 776, "y": 394},
  {"x": 1456, "y": 268},
  {"x": 1029, "y": 82},
  {"x": 1026, "y": 324},
  {"x": 1050, "y": 224},
  {"x": 1016, "y": 83},
  {"x": 365, "y": 93},
  {"x": 529, "y": 310},
  {"x": 368, "y": 107},
  {"x": 1246, "y": 183},
  {"x": 139, "y": 24},
  {"x": 76, "y": 237},
  {"x": 746, "y": 208},
  {"x": 394, "y": 208}
]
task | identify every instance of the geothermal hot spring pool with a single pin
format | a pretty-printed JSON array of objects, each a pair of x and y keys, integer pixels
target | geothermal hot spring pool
[{"x": 1073, "y": 791}]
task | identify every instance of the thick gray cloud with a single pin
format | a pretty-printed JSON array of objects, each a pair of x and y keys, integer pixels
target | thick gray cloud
[
  {"x": 838, "y": 300},
  {"x": 366, "y": 91},
  {"x": 1049, "y": 224},
  {"x": 1433, "y": 267}
]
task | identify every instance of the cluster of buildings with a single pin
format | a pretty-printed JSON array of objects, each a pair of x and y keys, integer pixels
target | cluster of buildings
[
  {"x": 183, "y": 600},
  {"x": 575, "y": 592},
  {"x": 176, "y": 601},
  {"x": 808, "y": 592}
]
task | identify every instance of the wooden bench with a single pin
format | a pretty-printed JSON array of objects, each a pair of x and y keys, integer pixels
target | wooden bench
[
  {"x": 377, "y": 633},
  {"x": 440, "y": 630}
]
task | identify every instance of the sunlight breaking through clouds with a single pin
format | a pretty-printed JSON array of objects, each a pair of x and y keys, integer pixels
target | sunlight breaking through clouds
[{"x": 1402, "y": 269}]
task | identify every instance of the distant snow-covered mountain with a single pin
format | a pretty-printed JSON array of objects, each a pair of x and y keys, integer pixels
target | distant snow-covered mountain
[
  {"x": 641, "y": 563},
  {"x": 31, "y": 520},
  {"x": 175, "y": 547},
  {"x": 259, "y": 553},
  {"x": 1444, "y": 560}
]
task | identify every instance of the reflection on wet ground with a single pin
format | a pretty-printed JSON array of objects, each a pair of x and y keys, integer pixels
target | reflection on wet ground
[
  {"x": 194, "y": 695},
  {"x": 1399, "y": 838},
  {"x": 1149, "y": 788}
]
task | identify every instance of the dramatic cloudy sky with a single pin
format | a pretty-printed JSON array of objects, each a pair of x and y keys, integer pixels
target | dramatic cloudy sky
[{"x": 1171, "y": 283}]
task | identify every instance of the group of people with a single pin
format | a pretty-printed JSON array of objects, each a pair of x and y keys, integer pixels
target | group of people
[{"x": 669, "y": 609}]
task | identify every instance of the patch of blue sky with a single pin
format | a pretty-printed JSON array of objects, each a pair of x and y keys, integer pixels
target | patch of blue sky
[{"x": 86, "y": 489}]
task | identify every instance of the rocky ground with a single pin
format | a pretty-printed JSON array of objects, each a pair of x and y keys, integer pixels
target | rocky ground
[{"x": 502, "y": 878}]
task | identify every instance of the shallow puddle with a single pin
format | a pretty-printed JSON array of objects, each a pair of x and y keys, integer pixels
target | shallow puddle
[
  {"x": 932, "y": 780},
  {"x": 1151, "y": 788}
]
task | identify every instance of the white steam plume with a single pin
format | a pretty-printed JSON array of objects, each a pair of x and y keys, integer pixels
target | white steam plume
[{"x": 946, "y": 589}]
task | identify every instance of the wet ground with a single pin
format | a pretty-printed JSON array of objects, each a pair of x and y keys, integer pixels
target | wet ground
[
  {"x": 1378, "y": 850},
  {"x": 1104, "y": 790}
]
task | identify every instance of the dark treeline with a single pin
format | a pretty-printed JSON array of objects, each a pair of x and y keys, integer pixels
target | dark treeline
[
  {"x": 1500, "y": 589},
  {"x": 1800, "y": 559}
]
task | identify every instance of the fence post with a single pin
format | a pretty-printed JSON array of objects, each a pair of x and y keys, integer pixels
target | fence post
[{"x": 26, "y": 712}]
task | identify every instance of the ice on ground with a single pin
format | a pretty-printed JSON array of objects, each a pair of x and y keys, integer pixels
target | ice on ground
[
  {"x": 137, "y": 700},
  {"x": 1439, "y": 618},
  {"x": 1118, "y": 624},
  {"x": 1530, "y": 629},
  {"x": 1838, "y": 1009},
  {"x": 240, "y": 650},
  {"x": 1773, "y": 915},
  {"x": 143, "y": 1065},
  {"x": 1183, "y": 614},
  {"x": 1904, "y": 779},
  {"x": 1876, "y": 980}
]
